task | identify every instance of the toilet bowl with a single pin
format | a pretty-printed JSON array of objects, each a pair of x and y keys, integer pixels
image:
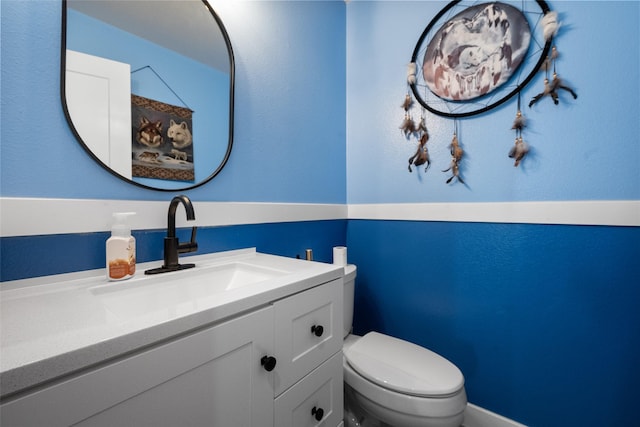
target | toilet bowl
[{"x": 391, "y": 382}]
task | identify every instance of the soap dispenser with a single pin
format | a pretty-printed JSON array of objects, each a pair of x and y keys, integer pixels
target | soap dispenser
[{"x": 121, "y": 249}]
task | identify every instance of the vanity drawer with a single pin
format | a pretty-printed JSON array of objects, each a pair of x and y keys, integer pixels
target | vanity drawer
[
  {"x": 308, "y": 330},
  {"x": 318, "y": 395}
]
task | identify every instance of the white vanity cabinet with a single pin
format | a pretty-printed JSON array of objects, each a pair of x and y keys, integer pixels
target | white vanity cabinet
[{"x": 217, "y": 376}]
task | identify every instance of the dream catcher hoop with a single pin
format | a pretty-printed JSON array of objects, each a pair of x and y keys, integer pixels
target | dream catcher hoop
[{"x": 474, "y": 56}]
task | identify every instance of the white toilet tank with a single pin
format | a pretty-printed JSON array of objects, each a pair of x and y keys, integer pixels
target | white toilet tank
[{"x": 350, "y": 272}]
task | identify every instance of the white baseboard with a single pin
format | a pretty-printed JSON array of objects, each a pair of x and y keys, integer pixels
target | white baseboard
[{"x": 475, "y": 416}]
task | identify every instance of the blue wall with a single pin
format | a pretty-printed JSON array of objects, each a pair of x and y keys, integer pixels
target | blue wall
[
  {"x": 87, "y": 250},
  {"x": 540, "y": 318},
  {"x": 288, "y": 147},
  {"x": 289, "y": 117},
  {"x": 584, "y": 149}
]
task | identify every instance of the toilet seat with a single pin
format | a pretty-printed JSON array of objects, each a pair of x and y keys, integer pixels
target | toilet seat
[{"x": 403, "y": 367}]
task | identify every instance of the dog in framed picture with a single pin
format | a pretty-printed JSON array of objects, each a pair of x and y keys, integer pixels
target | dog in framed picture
[
  {"x": 179, "y": 134},
  {"x": 149, "y": 133}
]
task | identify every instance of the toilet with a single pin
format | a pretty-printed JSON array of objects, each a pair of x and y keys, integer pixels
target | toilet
[{"x": 391, "y": 382}]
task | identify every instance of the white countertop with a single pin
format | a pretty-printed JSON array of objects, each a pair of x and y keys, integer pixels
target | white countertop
[{"x": 56, "y": 325}]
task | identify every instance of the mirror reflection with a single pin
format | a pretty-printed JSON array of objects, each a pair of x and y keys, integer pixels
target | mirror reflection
[{"x": 148, "y": 88}]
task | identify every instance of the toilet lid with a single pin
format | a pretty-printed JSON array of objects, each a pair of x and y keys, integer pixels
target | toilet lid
[{"x": 403, "y": 367}]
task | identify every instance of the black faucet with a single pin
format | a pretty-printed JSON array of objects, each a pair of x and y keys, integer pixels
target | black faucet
[{"x": 172, "y": 247}]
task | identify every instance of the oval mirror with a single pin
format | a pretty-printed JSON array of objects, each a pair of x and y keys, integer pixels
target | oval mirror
[{"x": 147, "y": 88}]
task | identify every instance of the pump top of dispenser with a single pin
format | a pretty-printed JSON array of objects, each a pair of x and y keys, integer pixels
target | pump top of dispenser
[{"x": 120, "y": 226}]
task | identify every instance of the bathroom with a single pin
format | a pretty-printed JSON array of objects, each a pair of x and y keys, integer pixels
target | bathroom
[{"x": 524, "y": 277}]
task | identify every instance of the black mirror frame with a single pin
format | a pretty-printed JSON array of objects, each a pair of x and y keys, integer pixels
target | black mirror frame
[{"x": 63, "y": 61}]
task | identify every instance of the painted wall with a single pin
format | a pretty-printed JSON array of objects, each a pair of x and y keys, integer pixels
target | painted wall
[
  {"x": 582, "y": 149},
  {"x": 290, "y": 109},
  {"x": 288, "y": 146},
  {"x": 540, "y": 318}
]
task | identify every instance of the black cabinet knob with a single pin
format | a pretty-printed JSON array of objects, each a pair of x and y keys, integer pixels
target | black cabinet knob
[
  {"x": 317, "y": 413},
  {"x": 317, "y": 330},
  {"x": 268, "y": 363}
]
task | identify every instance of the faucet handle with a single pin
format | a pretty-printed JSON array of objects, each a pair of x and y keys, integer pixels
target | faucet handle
[
  {"x": 193, "y": 236},
  {"x": 192, "y": 246}
]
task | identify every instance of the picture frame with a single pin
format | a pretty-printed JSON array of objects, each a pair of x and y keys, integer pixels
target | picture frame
[{"x": 162, "y": 144}]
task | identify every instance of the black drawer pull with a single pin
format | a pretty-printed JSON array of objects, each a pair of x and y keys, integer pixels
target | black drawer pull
[
  {"x": 318, "y": 413},
  {"x": 268, "y": 363},
  {"x": 317, "y": 330}
]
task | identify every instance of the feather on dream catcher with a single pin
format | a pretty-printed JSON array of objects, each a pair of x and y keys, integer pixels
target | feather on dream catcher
[
  {"x": 550, "y": 27},
  {"x": 456, "y": 157},
  {"x": 520, "y": 148},
  {"x": 473, "y": 57}
]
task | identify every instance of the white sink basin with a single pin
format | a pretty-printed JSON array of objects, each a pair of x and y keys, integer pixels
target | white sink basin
[
  {"x": 238, "y": 274},
  {"x": 185, "y": 289}
]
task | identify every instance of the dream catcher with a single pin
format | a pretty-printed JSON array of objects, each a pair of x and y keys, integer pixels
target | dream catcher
[{"x": 473, "y": 57}]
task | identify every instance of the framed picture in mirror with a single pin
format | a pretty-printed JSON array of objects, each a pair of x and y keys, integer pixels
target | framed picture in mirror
[{"x": 162, "y": 141}]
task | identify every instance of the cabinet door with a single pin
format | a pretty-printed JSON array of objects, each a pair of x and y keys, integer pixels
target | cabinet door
[
  {"x": 317, "y": 400},
  {"x": 212, "y": 377},
  {"x": 299, "y": 345}
]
